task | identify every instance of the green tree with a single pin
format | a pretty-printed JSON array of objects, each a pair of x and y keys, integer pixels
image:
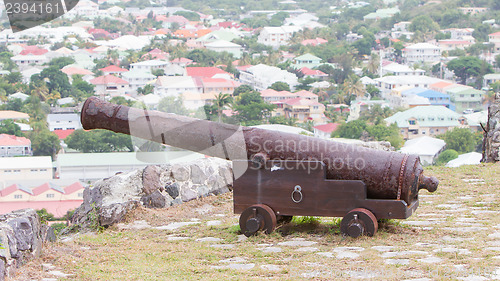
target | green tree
[
  {"x": 497, "y": 61},
  {"x": 446, "y": 156},
  {"x": 158, "y": 72},
  {"x": 9, "y": 127},
  {"x": 14, "y": 77},
  {"x": 351, "y": 130},
  {"x": 251, "y": 108},
  {"x": 172, "y": 105},
  {"x": 98, "y": 141},
  {"x": 191, "y": 16},
  {"x": 56, "y": 80},
  {"x": 44, "y": 142},
  {"x": 465, "y": 67},
  {"x": 376, "y": 114},
  {"x": 242, "y": 89},
  {"x": 13, "y": 104},
  {"x": 221, "y": 100},
  {"x": 424, "y": 25},
  {"x": 146, "y": 90},
  {"x": 61, "y": 62},
  {"x": 460, "y": 139},
  {"x": 280, "y": 86}
]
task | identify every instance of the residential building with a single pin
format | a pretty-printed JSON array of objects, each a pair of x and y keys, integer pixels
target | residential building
[
  {"x": 262, "y": 76},
  {"x": 13, "y": 115},
  {"x": 301, "y": 109},
  {"x": 110, "y": 86},
  {"x": 25, "y": 168},
  {"x": 149, "y": 65},
  {"x": 64, "y": 121},
  {"x": 437, "y": 98},
  {"x": 113, "y": 70},
  {"x": 494, "y": 38},
  {"x": 422, "y": 53},
  {"x": 401, "y": 29},
  {"x": 471, "y": 158},
  {"x": 271, "y": 96},
  {"x": 387, "y": 83},
  {"x": 55, "y": 197},
  {"x": 175, "y": 85},
  {"x": 313, "y": 73},
  {"x": 208, "y": 72},
  {"x": 489, "y": 79},
  {"x": 314, "y": 42},
  {"x": 397, "y": 69},
  {"x": 427, "y": 148},
  {"x": 277, "y": 36},
  {"x": 448, "y": 45},
  {"x": 357, "y": 107},
  {"x": 325, "y": 131},
  {"x": 219, "y": 85},
  {"x": 472, "y": 10},
  {"x": 26, "y": 61},
  {"x": 14, "y": 146},
  {"x": 84, "y": 8},
  {"x": 225, "y": 46},
  {"x": 181, "y": 62},
  {"x": 429, "y": 120},
  {"x": 306, "y": 60},
  {"x": 382, "y": 14},
  {"x": 137, "y": 79},
  {"x": 194, "y": 101},
  {"x": 465, "y": 97},
  {"x": 94, "y": 166},
  {"x": 459, "y": 33}
]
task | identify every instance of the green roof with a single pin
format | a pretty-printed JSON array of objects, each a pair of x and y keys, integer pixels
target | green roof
[
  {"x": 427, "y": 116},
  {"x": 308, "y": 57},
  {"x": 139, "y": 159}
]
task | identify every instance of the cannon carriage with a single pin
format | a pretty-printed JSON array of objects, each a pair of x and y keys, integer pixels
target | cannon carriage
[{"x": 280, "y": 175}]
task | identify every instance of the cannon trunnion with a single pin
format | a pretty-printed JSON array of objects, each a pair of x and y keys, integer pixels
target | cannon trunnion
[{"x": 264, "y": 194}]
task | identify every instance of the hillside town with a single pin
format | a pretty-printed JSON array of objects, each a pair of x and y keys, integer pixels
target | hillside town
[{"x": 414, "y": 76}]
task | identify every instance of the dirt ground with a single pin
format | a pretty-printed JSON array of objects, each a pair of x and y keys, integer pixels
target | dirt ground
[{"x": 454, "y": 235}]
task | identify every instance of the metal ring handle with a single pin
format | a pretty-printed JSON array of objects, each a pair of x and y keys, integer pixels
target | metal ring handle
[{"x": 297, "y": 189}]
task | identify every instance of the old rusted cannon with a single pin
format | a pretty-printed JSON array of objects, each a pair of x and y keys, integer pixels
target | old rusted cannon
[{"x": 280, "y": 175}]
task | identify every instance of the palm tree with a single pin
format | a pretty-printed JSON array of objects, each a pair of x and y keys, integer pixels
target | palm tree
[
  {"x": 373, "y": 64},
  {"x": 222, "y": 100},
  {"x": 353, "y": 86}
]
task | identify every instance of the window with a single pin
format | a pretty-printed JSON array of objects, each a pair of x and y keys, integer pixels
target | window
[
  {"x": 50, "y": 195},
  {"x": 34, "y": 170},
  {"x": 412, "y": 122},
  {"x": 17, "y": 171},
  {"x": 43, "y": 170},
  {"x": 80, "y": 194},
  {"x": 18, "y": 196}
]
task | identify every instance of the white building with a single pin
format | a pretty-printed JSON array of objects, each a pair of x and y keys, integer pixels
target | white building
[
  {"x": 427, "y": 148},
  {"x": 388, "y": 83},
  {"x": 27, "y": 61},
  {"x": 25, "y": 168},
  {"x": 262, "y": 76},
  {"x": 64, "y": 121},
  {"x": 84, "y": 8},
  {"x": 11, "y": 145},
  {"x": 138, "y": 79},
  {"x": 225, "y": 46},
  {"x": 422, "y": 53},
  {"x": 149, "y": 65},
  {"x": 401, "y": 70},
  {"x": 276, "y": 36},
  {"x": 401, "y": 29},
  {"x": 93, "y": 166},
  {"x": 175, "y": 85}
]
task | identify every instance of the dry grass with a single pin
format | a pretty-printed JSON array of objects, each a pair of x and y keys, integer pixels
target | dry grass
[{"x": 147, "y": 254}]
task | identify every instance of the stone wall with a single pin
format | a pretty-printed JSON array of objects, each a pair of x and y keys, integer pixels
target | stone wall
[
  {"x": 21, "y": 238},
  {"x": 491, "y": 141},
  {"x": 108, "y": 200}
]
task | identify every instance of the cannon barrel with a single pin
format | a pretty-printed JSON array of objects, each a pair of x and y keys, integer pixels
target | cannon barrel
[{"x": 387, "y": 175}]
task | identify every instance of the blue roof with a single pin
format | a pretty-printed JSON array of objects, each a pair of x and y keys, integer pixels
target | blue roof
[
  {"x": 413, "y": 91},
  {"x": 433, "y": 94}
]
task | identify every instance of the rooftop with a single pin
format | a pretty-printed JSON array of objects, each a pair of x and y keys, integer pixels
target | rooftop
[{"x": 423, "y": 146}]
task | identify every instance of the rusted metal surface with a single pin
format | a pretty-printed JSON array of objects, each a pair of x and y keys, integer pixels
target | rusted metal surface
[
  {"x": 256, "y": 218},
  {"x": 387, "y": 175}
]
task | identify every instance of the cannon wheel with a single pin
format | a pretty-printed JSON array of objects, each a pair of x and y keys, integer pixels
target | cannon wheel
[
  {"x": 283, "y": 219},
  {"x": 257, "y": 217},
  {"x": 359, "y": 222}
]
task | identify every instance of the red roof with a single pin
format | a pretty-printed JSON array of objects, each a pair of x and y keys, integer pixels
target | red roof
[
  {"x": 441, "y": 85},
  {"x": 311, "y": 72},
  {"x": 107, "y": 79},
  {"x": 219, "y": 83},
  {"x": 33, "y": 50},
  {"x": 314, "y": 42},
  {"x": 113, "y": 68},
  {"x": 495, "y": 34},
  {"x": 300, "y": 101},
  {"x": 306, "y": 94},
  {"x": 10, "y": 140},
  {"x": 41, "y": 189},
  {"x": 182, "y": 60},
  {"x": 63, "y": 134},
  {"x": 327, "y": 128},
  {"x": 205, "y": 72},
  {"x": 73, "y": 187}
]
